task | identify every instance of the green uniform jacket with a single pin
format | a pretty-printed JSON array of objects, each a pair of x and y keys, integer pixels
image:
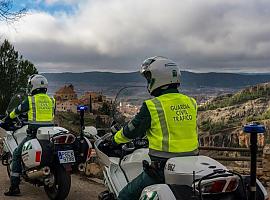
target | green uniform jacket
[
  {"x": 141, "y": 126},
  {"x": 24, "y": 107}
]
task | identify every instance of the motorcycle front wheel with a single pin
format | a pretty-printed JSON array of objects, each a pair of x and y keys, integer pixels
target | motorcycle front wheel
[
  {"x": 61, "y": 186},
  {"x": 6, "y": 161}
]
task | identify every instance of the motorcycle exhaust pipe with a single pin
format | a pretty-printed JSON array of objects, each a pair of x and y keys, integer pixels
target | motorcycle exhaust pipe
[{"x": 35, "y": 174}]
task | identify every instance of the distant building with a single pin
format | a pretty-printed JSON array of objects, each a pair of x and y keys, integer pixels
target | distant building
[
  {"x": 94, "y": 100},
  {"x": 65, "y": 93},
  {"x": 68, "y": 106},
  {"x": 95, "y": 97},
  {"x": 66, "y": 99}
]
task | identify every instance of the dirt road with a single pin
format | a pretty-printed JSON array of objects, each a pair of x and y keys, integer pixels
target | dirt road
[{"x": 81, "y": 189}]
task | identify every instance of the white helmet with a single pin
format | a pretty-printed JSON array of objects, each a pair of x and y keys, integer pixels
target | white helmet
[
  {"x": 37, "y": 81},
  {"x": 160, "y": 71}
]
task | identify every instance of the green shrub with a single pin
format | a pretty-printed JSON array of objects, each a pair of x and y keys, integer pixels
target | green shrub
[{"x": 213, "y": 127}]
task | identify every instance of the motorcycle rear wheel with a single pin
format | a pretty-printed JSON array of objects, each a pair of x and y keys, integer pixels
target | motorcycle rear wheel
[{"x": 61, "y": 187}]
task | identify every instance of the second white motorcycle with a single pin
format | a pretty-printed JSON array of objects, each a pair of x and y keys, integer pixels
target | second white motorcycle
[{"x": 48, "y": 159}]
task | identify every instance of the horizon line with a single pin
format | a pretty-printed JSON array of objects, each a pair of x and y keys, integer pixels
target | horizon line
[{"x": 129, "y": 72}]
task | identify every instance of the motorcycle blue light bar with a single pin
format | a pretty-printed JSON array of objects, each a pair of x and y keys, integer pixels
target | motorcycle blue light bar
[
  {"x": 254, "y": 128},
  {"x": 80, "y": 108}
]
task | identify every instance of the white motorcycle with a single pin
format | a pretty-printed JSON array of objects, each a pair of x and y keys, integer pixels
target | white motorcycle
[
  {"x": 49, "y": 159},
  {"x": 190, "y": 177}
]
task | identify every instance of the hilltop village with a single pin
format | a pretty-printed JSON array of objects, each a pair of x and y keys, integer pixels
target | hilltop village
[
  {"x": 99, "y": 107},
  {"x": 98, "y": 104},
  {"x": 67, "y": 100}
]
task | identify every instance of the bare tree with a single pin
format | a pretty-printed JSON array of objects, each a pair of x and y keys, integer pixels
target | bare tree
[{"x": 7, "y": 13}]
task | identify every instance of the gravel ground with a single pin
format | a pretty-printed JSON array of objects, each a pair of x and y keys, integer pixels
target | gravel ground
[{"x": 81, "y": 188}]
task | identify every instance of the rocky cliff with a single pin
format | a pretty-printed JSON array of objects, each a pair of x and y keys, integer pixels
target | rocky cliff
[{"x": 222, "y": 118}]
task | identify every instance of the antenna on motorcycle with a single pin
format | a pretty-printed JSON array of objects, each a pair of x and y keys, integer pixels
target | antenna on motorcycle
[
  {"x": 253, "y": 129},
  {"x": 81, "y": 109}
]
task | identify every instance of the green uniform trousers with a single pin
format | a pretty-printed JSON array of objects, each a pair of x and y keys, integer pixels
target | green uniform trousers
[
  {"x": 16, "y": 166},
  {"x": 133, "y": 190}
]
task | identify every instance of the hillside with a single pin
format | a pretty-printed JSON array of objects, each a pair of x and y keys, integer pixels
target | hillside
[
  {"x": 243, "y": 96},
  {"x": 221, "y": 119},
  {"x": 96, "y": 78},
  {"x": 108, "y": 80}
]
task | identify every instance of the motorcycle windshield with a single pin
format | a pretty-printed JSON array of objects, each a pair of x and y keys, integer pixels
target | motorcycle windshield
[
  {"x": 16, "y": 100},
  {"x": 128, "y": 102}
]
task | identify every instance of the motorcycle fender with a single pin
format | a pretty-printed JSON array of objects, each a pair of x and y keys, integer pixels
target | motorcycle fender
[
  {"x": 68, "y": 167},
  {"x": 89, "y": 154},
  {"x": 116, "y": 178},
  {"x": 157, "y": 192}
]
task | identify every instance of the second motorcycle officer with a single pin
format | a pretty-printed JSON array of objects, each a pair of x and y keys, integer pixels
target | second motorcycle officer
[
  {"x": 169, "y": 121},
  {"x": 40, "y": 108}
]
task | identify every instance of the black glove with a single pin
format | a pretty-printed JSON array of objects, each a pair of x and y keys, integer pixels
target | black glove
[
  {"x": 109, "y": 147},
  {"x": 141, "y": 143},
  {"x": 113, "y": 143},
  {"x": 109, "y": 143}
]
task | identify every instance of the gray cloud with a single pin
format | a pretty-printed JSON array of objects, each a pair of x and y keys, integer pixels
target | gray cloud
[{"x": 116, "y": 35}]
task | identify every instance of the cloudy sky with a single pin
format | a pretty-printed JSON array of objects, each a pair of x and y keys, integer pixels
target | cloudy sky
[{"x": 117, "y": 35}]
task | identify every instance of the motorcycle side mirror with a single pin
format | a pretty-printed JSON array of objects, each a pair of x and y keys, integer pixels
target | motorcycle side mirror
[{"x": 90, "y": 131}]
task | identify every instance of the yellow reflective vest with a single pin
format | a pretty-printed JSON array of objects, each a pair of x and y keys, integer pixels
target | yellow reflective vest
[
  {"x": 173, "y": 123},
  {"x": 41, "y": 108}
]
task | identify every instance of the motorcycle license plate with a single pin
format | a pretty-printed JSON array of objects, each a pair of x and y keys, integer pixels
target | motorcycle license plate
[{"x": 66, "y": 156}]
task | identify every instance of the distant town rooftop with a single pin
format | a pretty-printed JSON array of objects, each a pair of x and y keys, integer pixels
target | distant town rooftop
[{"x": 67, "y": 89}]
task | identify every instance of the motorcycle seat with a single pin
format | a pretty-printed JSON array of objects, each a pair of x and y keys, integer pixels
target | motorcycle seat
[{"x": 36, "y": 126}]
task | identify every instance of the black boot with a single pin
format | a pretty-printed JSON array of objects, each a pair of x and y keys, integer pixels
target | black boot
[{"x": 13, "y": 191}]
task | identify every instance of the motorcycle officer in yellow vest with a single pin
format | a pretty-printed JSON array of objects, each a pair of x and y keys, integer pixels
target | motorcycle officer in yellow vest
[
  {"x": 169, "y": 121},
  {"x": 40, "y": 109}
]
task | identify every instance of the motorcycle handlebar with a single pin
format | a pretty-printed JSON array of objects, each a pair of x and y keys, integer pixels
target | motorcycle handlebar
[{"x": 122, "y": 149}]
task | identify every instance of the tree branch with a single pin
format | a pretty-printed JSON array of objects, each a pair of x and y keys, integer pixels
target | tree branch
[{"x": 9, "y": 15}]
